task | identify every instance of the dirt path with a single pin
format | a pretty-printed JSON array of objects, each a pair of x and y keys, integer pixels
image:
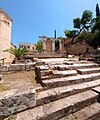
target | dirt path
[{"x": 17, "y": 80}]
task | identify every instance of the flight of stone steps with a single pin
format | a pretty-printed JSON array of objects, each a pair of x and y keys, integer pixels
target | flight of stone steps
[{"x": 71, "y": 93}]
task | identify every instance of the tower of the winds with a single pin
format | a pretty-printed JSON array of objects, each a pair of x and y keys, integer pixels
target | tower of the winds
[{"x": 5, "y": 35}]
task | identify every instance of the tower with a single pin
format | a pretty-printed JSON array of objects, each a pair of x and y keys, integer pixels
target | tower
[{"x": 5, "y": 35}]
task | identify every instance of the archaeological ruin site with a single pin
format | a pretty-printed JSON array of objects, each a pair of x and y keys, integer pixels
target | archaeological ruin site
[{"x": 59, "y": 82}]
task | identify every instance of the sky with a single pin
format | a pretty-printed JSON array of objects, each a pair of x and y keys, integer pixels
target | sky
[{"x": 34, "y": 18}]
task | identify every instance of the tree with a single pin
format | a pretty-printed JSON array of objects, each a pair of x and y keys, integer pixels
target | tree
[
  {"x": 70, "y": 33},
  {"x": 88, "y": 28},
  {"x": 77, "y": 23},
  {"x": 39, "y": 45},
  {"x": 86, "y": 19},
  {"x": 17, "y": 52},
  {"x": 83, "y": 23},
  {"x": 97, "y": 10},
  {"x": 96, "y": 28}
]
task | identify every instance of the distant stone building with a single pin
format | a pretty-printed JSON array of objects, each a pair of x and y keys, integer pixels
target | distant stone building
[
  {"x": 5, "y": 35},
  {"x": 63, "y": 45},
  {"x": 55, "y": 44},
  {"x": 27, "y": 46}
]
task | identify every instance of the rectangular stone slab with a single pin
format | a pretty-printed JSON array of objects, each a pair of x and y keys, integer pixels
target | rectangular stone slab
[
  {"x": 87, "y": 113},
  {"x": 16, "y": 100},
  {"x": 88, "y": 70},
  {"x": 96, "y": 89}
]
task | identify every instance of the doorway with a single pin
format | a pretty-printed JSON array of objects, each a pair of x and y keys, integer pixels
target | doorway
[{"x": 57, "y": 45}]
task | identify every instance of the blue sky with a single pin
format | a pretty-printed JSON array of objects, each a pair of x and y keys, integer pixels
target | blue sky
[{"x": 33, "y": 18}]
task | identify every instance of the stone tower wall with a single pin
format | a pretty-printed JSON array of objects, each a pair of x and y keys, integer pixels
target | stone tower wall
[{"x": 5, "y": 35}]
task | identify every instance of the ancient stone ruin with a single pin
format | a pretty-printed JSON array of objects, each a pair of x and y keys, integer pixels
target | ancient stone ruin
[{"x": 70, "y": 90}]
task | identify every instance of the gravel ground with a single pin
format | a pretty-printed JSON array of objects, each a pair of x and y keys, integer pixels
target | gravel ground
[{"x": 17, "y": 80}]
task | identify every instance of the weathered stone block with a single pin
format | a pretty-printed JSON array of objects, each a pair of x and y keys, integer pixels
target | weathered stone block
[
  {"x": 4, "y": 68},
  {"x": 16, "y": 100},
  {"x": 29, "y": 66},
  {"x": 16, "y": 67}
]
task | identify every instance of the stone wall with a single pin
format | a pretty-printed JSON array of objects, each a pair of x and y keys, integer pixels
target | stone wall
[
  {"x": 77, "y": 48},
  {"x": 17, "y": 67},
  {"x": 48, "y": 45},
  {"x": 16, "y": 100},
  {"x": 5, "y": 35}
]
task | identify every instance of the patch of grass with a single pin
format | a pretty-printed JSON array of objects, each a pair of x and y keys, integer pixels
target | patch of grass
[
  {"x": 3, "y": 87},
  {"x": 11, "y": 117}
]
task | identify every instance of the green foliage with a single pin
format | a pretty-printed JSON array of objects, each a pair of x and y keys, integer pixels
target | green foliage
[
  {"x": 77, "y": 23},
  {"x": 93, "y": 39},
  {"x": 70, "y": 33},
  {"x": 39, "y": 45},
  {"x": 17, "y": 52},
  {"x": 83, "y": 23},
  {"x": 96, "y": 25},
  {"x": 96, "y": 28},
  {"x": 86, "y": 36},
  {"x": 86, "y": 17}
]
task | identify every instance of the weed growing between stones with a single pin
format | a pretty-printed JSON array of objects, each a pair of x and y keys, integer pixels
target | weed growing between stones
[
  {"x": 3, "y": 87},
  {"x": 11, "y": 117}
]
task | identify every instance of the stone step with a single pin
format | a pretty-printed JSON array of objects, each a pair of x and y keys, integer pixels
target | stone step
[
  {"x": 74, "y": 66},
  {"x": 65, "y": 73},
  {"x": 57, "y": 109},
  {"x": 58, "y": 82},
  {"x": 97, "y": 89},
  {"x": 60, "y": 74},
  {"x": 53, "y": 94},
  {"x": 91, "y": 112},
  {"x": 0, "y": 77},
  {"x": 88, "y": 70}
]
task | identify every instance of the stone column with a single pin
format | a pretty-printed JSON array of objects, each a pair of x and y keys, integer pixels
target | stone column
[
  {"x": 53, "y": 45},
  {"x": 44, "y": 45},
  {"x": 60, "y": 45}
]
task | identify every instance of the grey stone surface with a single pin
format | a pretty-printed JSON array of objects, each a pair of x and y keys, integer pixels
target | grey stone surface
[
  {"x": 30, "y": 66},
  {"x": 74, "y": 66},
  {"x": 97, "y": 89},
  {"x": 44, "y": 67},
  {"x": 4, "y": 68},
  {"x": 16, "y": 67},
  {"x": 91, "y": 112},
  {"x": 61, "y": 92},
  {"x": 88, "y": 70},
  {"x": 16, "y": 100},
  {"x": 59, "y": 108},
  {"x": 95, "y": 76},
  {"x": 64, "y": 73},
  {"x": 64, "y": 81}
]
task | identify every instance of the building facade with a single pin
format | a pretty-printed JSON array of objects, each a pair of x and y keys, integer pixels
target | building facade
[
  {"x": 28, "y": 46},
  {"x": 5, "y": 35}
]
